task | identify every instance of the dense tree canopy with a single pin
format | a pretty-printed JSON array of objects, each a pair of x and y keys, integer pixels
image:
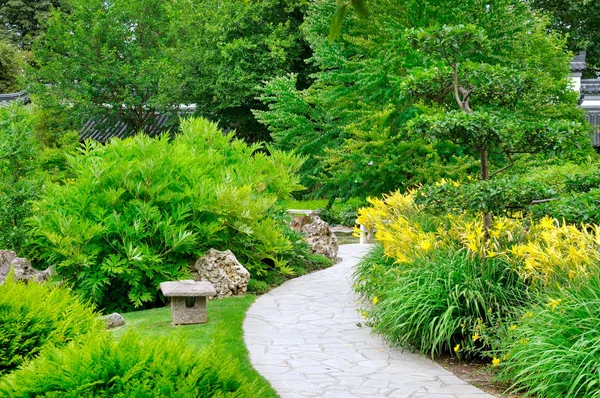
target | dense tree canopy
[
  {"x": 487, "y": 70},
  {"x": 107, "y": 57},
  {"x": 580, "y": 21},
  {"x": 132, "y": 59},
  {"x": 22, "y": 21},
  {"x": 11, "y": 64}
]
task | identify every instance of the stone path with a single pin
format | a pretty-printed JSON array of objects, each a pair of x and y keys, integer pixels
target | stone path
[{"x": 305, "y": 337}]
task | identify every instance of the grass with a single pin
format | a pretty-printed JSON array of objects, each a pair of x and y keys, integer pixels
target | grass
[
  {"x": 315, "y": 204},
  {"x": 225, "y": 319}
]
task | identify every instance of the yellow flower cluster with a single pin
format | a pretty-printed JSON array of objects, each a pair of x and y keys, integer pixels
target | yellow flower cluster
[{"x": 539, "y": 250}]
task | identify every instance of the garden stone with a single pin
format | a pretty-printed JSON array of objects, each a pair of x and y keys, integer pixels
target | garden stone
[
  {"x": 224, "y": 271},
  {"x": 321, "y": 239},
  {"x": 22, "y": 268},
  {"x": 114, "y": 320},
  {"x": 188, "y": 300}
]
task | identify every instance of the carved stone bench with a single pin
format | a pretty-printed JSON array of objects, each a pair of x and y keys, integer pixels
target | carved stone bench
[{"x": 188, "y": 300}]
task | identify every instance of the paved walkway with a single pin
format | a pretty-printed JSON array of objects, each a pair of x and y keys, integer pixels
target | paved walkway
[{"x": 305, "y": 337}]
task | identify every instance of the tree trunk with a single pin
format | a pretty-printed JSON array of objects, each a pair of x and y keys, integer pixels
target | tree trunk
[{"x": 485, "y": 175}]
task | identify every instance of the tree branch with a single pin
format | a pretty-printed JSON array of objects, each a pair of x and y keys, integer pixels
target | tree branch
[
  {"x": 536, "y": 202},
  {"x": 512, "y": 163}
]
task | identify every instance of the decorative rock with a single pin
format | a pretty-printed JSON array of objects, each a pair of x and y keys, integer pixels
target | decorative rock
[
  {"x": 224, "y": 271},
  {"x": 22, "y": 268},
  {"x": 320, "y": 238},
  {"x": 188, "y": 300},
  {"x": 114, "y": 320}
]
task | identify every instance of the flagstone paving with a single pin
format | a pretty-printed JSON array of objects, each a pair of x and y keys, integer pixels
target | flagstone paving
[{"x": 307, "y": 339}]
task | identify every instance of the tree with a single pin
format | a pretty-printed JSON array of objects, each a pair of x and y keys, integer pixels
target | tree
[
  {"x": 22, "y": 21},
  {"x": 107, "y": 57},
  {"x": 580, "y": 21},
  {"x": 11, "y": 65},
  {"x": 228, "y": 48},
  {"x": 497, "y": 97}
]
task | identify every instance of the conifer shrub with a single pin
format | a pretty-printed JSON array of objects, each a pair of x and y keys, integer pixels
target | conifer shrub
[
  {"x": 139, "y": 210},
  {"x": 37, "y": 315},
  {"x": 100, "y": 366}
]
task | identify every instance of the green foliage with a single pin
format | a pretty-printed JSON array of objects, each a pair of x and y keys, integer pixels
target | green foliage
[
  {"x": 34, "y": 316},
  {"x": 554, "y": 350},
  {"x": 140, "y": 210},
  {"x": 579, "y": 21},
  {"x": 509, "y": 196},
  {"x": 11, "y": 64},
  {"x": 575, "y": 208},
  {"x": 105, "y": 58},
  {"x": 27, "y": 161},
  {"x": 101, "y": 367},
  {"x": 19, "y": 182},
  {"x": 344, "y": 212},
  {"x": 398, "y": 87},
  {"x": 227, "y": 48},
  {"x": 439, "y": 301},
  {"x": 22, "y": 21}
]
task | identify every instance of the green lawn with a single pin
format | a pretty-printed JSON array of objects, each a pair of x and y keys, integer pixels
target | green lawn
[{"x": 225, "y": 318}]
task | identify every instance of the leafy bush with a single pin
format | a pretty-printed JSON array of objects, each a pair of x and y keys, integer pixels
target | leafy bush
[
  {"x": 573, "y": 208},
  {"x": 499, "y": 196},
  {"x": 34, "y": 315},
  {"x": 442, "y": 302},
  {"x": 554, "y": 350},
  {"x": 344, "y": 212},
  {"x": 131, "y": 367},
  {"x": 26, "y": 162},
  {"x": 18, "y": 180},
  {"x": 140, "y": 210},
  {"x": 11, "y": 64}
]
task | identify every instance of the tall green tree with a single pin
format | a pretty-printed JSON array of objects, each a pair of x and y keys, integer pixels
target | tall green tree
[
  {"x": 106, "y": 58},
  {"x": 477, "y": 77},
  {"x": 21, "y": 21},
  {"x": 227, "y": 48},
  {"x": 11, "y": 67},
  {"x": 580, "y": 21}
]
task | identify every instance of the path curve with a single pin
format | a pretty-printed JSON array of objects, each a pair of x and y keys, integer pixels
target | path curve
[{"x": 307, "y": 339}]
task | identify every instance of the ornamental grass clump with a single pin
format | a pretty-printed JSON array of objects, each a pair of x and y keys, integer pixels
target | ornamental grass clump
[
  {"x": 554, "y": 348},
  {"x": 446, "y": 302},
  {"x": 37, "y": 315},
  {"x": 138, "y": 211},
  {"x": 101, "y": 366}
]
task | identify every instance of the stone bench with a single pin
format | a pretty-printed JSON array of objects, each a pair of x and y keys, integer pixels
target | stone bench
[{"x": 188, "y": 300}]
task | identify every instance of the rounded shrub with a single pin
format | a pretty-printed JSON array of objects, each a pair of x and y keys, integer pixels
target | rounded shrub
[
  {"x": 100, "y": 366},
  {"x": 554, "y": 350},
  {"x": 139, "y": 210},
  {"x": 36, "y": 315}
]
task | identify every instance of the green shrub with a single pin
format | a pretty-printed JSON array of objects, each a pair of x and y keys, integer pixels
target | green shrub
[
  {"x": 131, "y": 367},
  {"x": 140, "y": 210},
  {"x": 554, "y": 351},
  {"x": 26, "y": 162},
  {"x": 34, "y": 315},
  {"x": 19, "y": 183},
  {"x": 444, "y": 302},
  {"x": 344, "y": 212},
  {"x": 573, "y": 208},
  {"x": 506, "y": 195}
]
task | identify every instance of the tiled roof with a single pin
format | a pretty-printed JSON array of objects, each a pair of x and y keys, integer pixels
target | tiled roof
[
  {"x": 590, "y": 86},
  {"x": 105, "y": 129},
  {"x": 578, "y": 62},
  {"x": 6, "y": 99}
]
